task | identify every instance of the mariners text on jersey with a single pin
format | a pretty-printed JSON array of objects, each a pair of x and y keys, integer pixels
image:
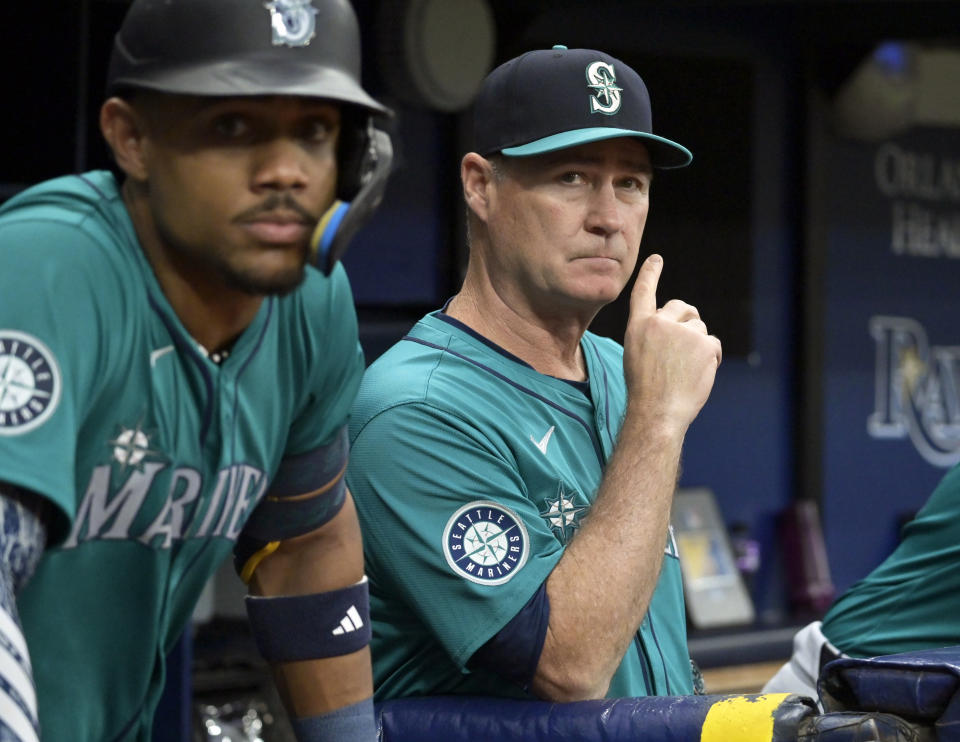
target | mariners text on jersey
[{"x": 106, "y": 514}]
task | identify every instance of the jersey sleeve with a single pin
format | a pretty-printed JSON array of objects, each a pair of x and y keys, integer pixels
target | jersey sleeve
[
  {"x": 448, "y": 528},
  {"x": 60, "y": 304},
  {"x": 315, "y": 457},
  {"x": 909, "y": 601},
  {"x": 333, "y": 363}
]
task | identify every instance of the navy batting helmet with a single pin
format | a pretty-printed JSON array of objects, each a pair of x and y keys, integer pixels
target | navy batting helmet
[
  {"x": 241, "y": 47},
  {"x": 265, "y": 47}
]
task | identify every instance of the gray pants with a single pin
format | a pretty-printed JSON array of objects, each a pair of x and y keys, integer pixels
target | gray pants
[{"x": 800, "y": 674}]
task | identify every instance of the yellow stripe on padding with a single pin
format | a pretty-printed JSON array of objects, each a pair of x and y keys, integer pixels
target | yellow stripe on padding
[
  {"x": 742, "y": 719},
  {"x": 246, "y": 574}
]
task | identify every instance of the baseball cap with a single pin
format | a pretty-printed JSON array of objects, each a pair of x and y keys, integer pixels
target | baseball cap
[{"x": 551, "y": 99}]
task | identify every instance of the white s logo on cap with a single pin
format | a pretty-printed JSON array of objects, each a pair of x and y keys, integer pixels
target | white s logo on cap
[{"x": 602, "y": 78}]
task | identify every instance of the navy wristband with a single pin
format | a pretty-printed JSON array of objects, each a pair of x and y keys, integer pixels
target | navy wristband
[{"x": 309, "y": 627}]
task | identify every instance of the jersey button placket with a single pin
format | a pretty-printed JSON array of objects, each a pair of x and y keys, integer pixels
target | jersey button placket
[{"x": 227, "y": 396}]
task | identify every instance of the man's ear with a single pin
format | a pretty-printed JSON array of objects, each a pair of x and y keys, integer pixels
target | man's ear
[
  {"x": 477, "y": 177},
  {"x": 124, "y": 129}
]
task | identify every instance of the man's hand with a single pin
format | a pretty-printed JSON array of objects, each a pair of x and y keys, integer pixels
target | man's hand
[{"x": 670, "y": 360}]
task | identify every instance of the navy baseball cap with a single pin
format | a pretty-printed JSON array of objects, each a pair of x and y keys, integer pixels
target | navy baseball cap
[{"x": 556, "y": 98}]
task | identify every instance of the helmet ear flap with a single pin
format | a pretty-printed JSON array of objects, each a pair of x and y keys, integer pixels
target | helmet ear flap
[{"x": 365, "y": 158}]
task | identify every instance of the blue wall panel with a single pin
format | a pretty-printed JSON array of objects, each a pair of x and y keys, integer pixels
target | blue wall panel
[
  {"x": 401, "y": 257},
  {"x": 891, "y": 342}
]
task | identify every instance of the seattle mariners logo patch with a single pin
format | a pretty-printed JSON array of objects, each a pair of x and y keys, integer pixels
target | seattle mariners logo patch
[
  {"x": 293, "y": 21},
  {"x": 485, "y": 542},
  {"x": 29, "y": 382},
  {"x": 603, "y": 80}
]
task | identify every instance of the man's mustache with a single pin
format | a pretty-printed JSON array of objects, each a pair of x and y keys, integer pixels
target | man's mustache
[{"x": 277, "y": 202}]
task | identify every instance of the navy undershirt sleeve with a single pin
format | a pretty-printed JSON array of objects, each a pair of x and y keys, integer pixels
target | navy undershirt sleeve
[{"x": 514, "y": 651}]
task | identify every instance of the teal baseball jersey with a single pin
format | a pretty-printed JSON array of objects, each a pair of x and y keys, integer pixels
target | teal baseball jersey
[
  {"x": 471, "y": 472},
  {"x": 153, "y": 455},
  {"x": 912, "y": 600}
]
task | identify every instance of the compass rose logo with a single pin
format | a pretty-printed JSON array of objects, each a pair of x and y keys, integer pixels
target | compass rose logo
[
  {"x": 485, "y": 542},
  {"x": 293, "y": 22},
  {"x": 29, "y": 382},
  {"x": 563, "y": 514},
  {"x": 131, "y": 446}
]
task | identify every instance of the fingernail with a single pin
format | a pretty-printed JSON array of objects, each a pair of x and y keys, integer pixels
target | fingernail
[{"x": 655, "y": 259}]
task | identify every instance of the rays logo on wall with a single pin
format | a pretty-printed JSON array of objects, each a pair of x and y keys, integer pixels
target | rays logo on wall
[{"x": 917, "y": 390}]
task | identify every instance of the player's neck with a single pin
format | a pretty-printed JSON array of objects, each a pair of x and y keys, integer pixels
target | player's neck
[
  {"x": 552, "y": 348},
  {"x": 213, "y": 314},
  {"x": 215, "y": 323}
]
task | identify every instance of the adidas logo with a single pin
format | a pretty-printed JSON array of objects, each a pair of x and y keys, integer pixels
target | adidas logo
[{"x": 350, "y": 622}]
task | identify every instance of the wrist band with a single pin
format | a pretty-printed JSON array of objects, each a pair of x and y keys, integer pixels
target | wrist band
[
  {"x": 307, "y": 627},
  {"x": 354, "y": 722}
]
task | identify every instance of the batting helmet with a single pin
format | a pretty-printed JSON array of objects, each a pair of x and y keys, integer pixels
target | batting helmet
[
  {"x": 265, "y": 47},
  {"x": 241, "y": 47}
]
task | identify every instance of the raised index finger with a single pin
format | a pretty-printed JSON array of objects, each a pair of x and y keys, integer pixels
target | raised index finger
[{"x": 643, "y": 299}]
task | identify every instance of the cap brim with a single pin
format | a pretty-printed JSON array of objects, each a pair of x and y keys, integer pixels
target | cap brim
[
  {"x": 251, "y": 77},
  {"x": 664, "y": 153}
]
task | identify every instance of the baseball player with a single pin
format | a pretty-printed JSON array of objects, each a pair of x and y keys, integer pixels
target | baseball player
[
  {"x": 903, "y": 605},
  {"x": 514, "y": 472},
  {"x": 175, "y": 378}
]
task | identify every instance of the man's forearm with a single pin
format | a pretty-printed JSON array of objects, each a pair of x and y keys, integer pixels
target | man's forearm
[
  {"x": 601, "y": 588},
  {"x": 325, "y": 562}
]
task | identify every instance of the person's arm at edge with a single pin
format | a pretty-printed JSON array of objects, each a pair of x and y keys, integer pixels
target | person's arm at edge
[
  {"x": 23, "y": 538},
  {"x": 328, "y": 558},
  {"x": 601, "y": 588}
]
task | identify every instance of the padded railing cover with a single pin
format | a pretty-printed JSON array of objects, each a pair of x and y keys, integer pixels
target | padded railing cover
[
  {"x": 922, "y": 687},
  {"x": 772, "y": 717}
]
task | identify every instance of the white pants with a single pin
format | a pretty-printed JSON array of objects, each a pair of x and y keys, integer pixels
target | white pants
[{"x": 800, "y": 674}]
